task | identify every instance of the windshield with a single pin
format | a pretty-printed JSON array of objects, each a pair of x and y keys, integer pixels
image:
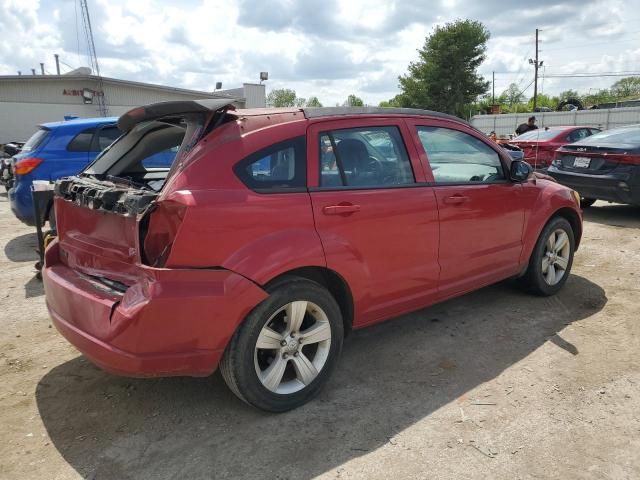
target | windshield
[
  {"x": 539, "y": 134},
  {"x": 616, "y": 135},
  {"x": 35, "y": 140}
]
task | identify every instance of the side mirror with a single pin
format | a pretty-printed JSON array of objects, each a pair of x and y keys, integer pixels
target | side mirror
[{"x": 520, "y": 171}]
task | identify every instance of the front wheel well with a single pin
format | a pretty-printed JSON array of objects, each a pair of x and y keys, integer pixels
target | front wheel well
[
  {"x": 330, "y": 280},
  {"x": 574, "y": 220}
]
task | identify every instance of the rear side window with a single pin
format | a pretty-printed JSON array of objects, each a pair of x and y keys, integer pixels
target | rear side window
[
  {"x": 364, "y": 157},
  {"x": 82, "y": 141},
  {"x": 578, "y": 134},
  {"x": 457, "y": 157},
  {"x": 35, "y": 140},
  {"x": 279, "y": 166}
]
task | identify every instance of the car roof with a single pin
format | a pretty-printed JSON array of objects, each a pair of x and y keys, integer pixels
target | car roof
[
  {"x": 79, "y": 122},
  {"x": 318, "y": 112}
]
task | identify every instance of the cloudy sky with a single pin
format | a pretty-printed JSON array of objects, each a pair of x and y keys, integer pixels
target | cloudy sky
[{"x": 327, "y": 48}]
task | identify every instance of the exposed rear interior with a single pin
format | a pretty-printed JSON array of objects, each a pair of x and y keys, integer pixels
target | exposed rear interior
[
  {"x": 143, "y": 157},
  {"x": 108, "y": 217}
]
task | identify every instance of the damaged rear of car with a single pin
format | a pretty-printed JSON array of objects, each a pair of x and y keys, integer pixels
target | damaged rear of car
[{"x": 107, "y": 288}]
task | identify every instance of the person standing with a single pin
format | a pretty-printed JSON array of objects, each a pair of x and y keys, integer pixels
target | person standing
[{"x": 526, "y": 127}]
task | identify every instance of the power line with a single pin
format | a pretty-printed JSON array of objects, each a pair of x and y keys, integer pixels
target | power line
[{"x": 591, "y": 75}]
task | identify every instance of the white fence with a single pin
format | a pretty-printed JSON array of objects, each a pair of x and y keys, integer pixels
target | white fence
[{"x": 506, "y": 124}]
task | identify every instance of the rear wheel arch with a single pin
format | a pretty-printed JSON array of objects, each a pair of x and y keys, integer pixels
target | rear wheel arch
[{"x": 329, "y": 279}]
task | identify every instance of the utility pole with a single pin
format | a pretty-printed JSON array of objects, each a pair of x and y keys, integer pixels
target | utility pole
[
  {"x": 493, "y": 93},
  {"x": 536, "y": 65}
]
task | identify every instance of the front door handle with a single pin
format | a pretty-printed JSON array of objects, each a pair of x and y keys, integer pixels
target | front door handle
[
  {"x": 341, "y": 209},
  {"x": 456, "y": 199}
]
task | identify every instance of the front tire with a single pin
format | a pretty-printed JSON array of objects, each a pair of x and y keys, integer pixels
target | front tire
[
  {"x": 551, "y": 260},
  {"x": 287, "y": 347}
]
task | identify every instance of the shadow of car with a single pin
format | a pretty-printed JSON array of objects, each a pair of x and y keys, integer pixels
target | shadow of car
[{"x": 391, "y": 376}]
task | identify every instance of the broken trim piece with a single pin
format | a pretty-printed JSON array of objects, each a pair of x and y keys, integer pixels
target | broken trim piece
[{"x": 104, "y": 196}]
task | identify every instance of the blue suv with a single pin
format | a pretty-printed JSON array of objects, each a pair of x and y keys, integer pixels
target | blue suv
[{"x": 56, "y": 150}]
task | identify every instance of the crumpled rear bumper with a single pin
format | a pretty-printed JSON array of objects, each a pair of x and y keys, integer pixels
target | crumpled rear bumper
[{"x": 171, "y": 322}]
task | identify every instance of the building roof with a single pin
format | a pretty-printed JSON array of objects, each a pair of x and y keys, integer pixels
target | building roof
[{"x": 108, "y": 80}]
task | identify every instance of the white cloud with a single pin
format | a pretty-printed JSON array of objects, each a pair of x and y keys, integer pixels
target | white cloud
[{"x": 327, "y": 48}]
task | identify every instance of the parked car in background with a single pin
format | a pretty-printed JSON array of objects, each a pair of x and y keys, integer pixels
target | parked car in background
[
  {"x": 277, "y": 231},
  {"x": 57, "y": 150},
  {"x": 7, "y": 151},
  {"x": 605, "y": 166},
  {"x": 540, "y": 145}
]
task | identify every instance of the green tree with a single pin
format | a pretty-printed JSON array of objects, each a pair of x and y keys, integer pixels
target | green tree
[
  {"x": 313, "y": 102},
  {"x": 281, "y": 97},
  {"x": 601, "y": 96},
  {"x": 395, "y": 102},
  {"x": 513, "y": 95},
  {"x": 353, "y": 101},
  {"x": 445, "y": 77},
  {"x": 543, "y": 101},
  {"x": 626, "y": 87},
  {"x": 567, "y": 94}
]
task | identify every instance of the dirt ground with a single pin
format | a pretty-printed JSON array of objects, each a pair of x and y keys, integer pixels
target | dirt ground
[{"x": 494, "y": 385}]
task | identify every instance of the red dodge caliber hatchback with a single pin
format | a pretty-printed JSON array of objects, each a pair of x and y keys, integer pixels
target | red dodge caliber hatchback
[{"x": 276, "y": 232}]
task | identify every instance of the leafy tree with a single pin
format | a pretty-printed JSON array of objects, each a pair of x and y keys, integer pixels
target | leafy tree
[
  {"x": 543, "y": 101},
  {"x": 626, "y": 87},
  {"x": 301, "y": 102},
  {"x": 513, "y": 95},
  {"x": 353, "y": 101},
  {"x": 601, "y": 96},
  {"x": 445, "y": 77},
  {"x": 394, "y": 102},
  {"x": 313, "y": 102},
  {"x": 281, "y": 97},
  {"x": 567, "y": 94}
]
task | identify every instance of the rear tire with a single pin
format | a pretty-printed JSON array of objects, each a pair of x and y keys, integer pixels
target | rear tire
[
  {"x": 285, "y": 350},
  {"x": 551, "y": 260},
  {"x": 587, "y": 202}
]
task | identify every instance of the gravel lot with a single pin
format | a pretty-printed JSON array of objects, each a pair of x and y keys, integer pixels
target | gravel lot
[{"x": 496, "y": 384}]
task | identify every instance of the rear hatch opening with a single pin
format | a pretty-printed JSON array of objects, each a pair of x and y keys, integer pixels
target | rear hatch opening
[{"x": 124, "y": 182}]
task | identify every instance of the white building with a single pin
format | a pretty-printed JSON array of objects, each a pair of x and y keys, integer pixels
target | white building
[{"x": 29, "y": 100}]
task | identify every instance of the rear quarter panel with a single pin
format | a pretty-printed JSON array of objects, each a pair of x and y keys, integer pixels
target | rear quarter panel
[{"x": 258, "y": 235}]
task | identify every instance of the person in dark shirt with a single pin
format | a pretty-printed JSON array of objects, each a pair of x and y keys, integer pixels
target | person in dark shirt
[{"x": 525, "y": 127}]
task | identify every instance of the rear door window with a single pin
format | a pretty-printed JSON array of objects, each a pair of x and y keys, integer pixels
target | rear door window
[
  {"x": 364, "y": 157},
  {"x": 457, "y": 157},
  {"x": 578, "y": 134},
  {"x": 105, "y": 137},
  {"x": 82, "y": 141}
]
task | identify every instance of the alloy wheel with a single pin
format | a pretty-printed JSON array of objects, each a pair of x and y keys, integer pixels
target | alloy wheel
[
  {"x": 555, "y": 261},
  {"x": 293, "y": 347}
]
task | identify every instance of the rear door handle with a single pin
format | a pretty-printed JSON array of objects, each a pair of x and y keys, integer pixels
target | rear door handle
[
  {"x": 456, "y": 199},
  {"x": 342, "y": 209}
]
